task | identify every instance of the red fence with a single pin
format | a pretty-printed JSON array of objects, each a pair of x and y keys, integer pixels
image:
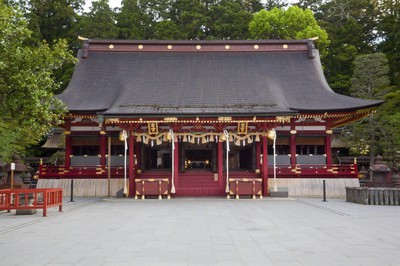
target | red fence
[
  {"x": 282, "y": 171},
  {"x": 28, "y": 199}
]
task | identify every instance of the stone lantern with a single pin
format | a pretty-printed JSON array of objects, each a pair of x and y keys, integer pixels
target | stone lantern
[{"x": 381, "y": 173}]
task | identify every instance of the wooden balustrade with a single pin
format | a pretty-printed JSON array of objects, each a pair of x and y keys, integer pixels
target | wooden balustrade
[
  {"x": 30, "y": 199},
  {"x": 282, "y": 171}
]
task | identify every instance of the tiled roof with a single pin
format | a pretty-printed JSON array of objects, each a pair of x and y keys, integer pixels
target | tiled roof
[{"x": 213, "y": 81}]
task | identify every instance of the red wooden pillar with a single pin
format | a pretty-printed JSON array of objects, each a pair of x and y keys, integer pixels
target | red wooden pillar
[
  {"x": 176, "y": 165},
  {"x": 265, "y": 165},
  {"x": 221, "y": 179},
  {"x": 293, "y": 132},
  {"x": 328, "y": 148},
  {"x": 293, "y": 149},
  {"x": 131, "y": 172},
  {"x": 103, "y": 148},
  {"x": 68, "y": 144}
]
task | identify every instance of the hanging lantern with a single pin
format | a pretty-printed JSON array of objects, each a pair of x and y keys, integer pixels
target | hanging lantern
[
  {"x": 159, "y": 141},
  {"x": 185, "y": 138},
  {"x": 139, "y": 139},
  {"x": 204, "y": 140},
  {"x": 257, "y": 138},
  {"x": 192, "y": 139},
  {"x": 168, "y": 136},
  {"x": 237, "y": 142},
  {"x": 222, "y": 137},
  {"x": 145, "y": 140},
  {"x": 122, "y": 136},
  {"x": 230, "y": 138}
]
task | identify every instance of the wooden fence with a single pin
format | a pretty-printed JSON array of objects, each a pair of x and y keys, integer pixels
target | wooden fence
[
  {"x": 29, "y": 199},
  {"x": 373, "y": 196}
]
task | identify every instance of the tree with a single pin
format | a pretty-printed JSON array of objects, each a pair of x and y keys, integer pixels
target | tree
[
  {"x": 293, "y": 23},
  {"x": 389, "y": 33},
  {"x": 99, "y": 22},
  {"x": 370, "y": 81},
  {"x": 351, "y": 26},
  {"x": 229, "y": 20},
  {"x": 27, "y": 106},
  {"x": 136, "y": 20}
]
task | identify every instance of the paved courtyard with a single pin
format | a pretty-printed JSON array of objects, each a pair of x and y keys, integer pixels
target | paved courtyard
[{"x": 209, "y": 231}]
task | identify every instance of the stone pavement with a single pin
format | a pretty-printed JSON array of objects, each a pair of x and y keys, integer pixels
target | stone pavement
[{"x": 203, "y": 231}]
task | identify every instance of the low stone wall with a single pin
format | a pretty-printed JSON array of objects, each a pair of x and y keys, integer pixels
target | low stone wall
[
  {"x": 373, "y": 196},
  {"x": 85, "y": 187},
  {"x": 312, "y": 187}
]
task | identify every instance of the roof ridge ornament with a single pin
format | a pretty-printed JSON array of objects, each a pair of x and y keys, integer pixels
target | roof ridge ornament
[{"x": 311, "y": 47}]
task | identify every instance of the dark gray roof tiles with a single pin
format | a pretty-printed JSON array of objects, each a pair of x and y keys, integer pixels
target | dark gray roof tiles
[{"x": 207, "y": 83}]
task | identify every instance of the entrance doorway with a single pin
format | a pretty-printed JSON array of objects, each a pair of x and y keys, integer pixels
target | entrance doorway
[{"x": 199, "y": 156}]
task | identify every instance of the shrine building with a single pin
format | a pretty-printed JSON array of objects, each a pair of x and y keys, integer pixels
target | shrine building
[{"x": 202, "y": 118}]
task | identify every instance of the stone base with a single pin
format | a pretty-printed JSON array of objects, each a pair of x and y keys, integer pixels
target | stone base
[
  {"x": 282, "y": 192},
  {"x": 26, "y": 212}
]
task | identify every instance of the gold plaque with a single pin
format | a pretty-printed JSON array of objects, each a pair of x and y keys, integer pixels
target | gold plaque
[
  {"x": 242, "y": 128},
  {"x": 153, "y": 128}
]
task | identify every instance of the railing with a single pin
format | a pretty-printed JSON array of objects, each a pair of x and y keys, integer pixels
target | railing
[
  {"x": 46, "y": 171},
  {"x": 282, "y": 171},
  {"x": 316, "y": 171},
  {"x": 29, "y": 199}
]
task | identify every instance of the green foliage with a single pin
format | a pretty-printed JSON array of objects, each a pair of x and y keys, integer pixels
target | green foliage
[
  {"x": 371, "y": 81},
  {"x": 293, "y": 23},
  {"x": 371, "y": 76},
  {"x": 388, "y": 117},
  {"x": 389, "y": 32},
  {"x": 99, "y": 23},
  {"x": 27, "y": 84}
]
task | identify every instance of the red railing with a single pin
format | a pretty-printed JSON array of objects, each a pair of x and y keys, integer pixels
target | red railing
[
  {"x": 315, "y": 171},
  {"x": 28, "y": 199},
  {"x": 282, "y": 171},
  {"x": 81, "y": 171}
]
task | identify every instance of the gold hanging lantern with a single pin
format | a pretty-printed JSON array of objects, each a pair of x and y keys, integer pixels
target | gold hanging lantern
[
  {"x": 168, "y": 136},
  {"x": 250, "y": 140},
  {"x": 230, "y": 138},
  {"x": 159, "y": 141},
  {"x": 121, "y": 135},
  {"x": 139, "y": 139},
  {"x": 185, "y": 139},
  {"x": 146, "y": 140},
  {"x": 192, "y": 139},
  {"x": 222, "y": 137},
  {"x": 257, "y": 138},
  {"x": 204, "y": 140}
]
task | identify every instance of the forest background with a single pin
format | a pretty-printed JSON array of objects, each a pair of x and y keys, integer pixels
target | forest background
[{"x": 359, "y": 41}]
